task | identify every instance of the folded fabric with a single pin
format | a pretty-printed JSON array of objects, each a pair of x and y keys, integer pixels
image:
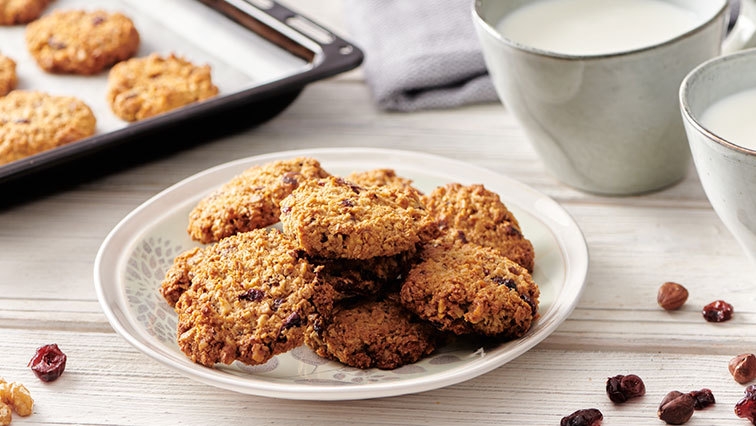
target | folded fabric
[{"x": 420, "y": 54}]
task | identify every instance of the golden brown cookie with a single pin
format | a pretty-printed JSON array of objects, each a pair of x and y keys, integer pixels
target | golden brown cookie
[
  {"x": 32, "y": 122},
  {"x": 378, "y": 177},
  {"x": 371, "y": 334},
  {"x": 144, "y": 87},
  {"x": 178, "y": 278},
  {"x": 250, "y": 200},
  {"x": 471, "y": 289},
  {"x": 250, "y": 298},
  {"x": 14, "y": 12},
  {"x": 8, "y": 77},
  {"x": 81, "y": 42},
  {"x": 335, "y": 218},
  {"x": 369, "y": 277},
  {"x": 475, "y": 214}
]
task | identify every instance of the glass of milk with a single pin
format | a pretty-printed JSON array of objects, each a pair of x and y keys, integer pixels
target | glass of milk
[
  {"x": 594, "y": 83},
  {"x": 718, "y": 103}
]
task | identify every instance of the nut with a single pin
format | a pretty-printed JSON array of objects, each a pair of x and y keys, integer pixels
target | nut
[
  {"x": 676, "y": 408},
  {"x": 17, "y": 397},
  {"x": 671, "y": 296},
  {"x": 743, "y": 368},
  {"x": 5, "y": 415}
]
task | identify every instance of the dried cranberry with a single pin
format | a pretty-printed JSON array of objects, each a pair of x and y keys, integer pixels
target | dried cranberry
[
  {"x": 586, "y": 417},
  {"x": 621, "y": 388},
  {"x": 717, "y": 311},
  {"x": 702, "y": 398},
  {"x": 746, "y": 407},
  {"x": 48, "y": 362}
]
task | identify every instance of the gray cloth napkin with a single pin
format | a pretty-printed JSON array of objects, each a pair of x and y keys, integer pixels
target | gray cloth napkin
[{"x": 419, "y": 54}]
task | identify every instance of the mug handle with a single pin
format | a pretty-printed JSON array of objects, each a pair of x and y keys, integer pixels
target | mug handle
[{"x": 741, "y": 29}]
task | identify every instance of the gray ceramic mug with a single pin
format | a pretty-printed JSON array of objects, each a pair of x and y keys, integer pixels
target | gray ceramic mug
[
  {"x": 727, "y": 171},
  {"x": 608, "y": 123}
]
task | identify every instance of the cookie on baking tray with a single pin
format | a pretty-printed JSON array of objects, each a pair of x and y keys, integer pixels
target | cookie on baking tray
[
  {"x": 81, "y": 42},
  {"x": 476, "y": 214},
  {"x": 250, "y": 200},
  {"x": 335, "y": 218},
  {"x": 8, "y": 77},
  {"x": 14, "y": 12},
  {"x": 144, "y": 87},
  {"x": 250, "y": 297},
  {"x": 465, "y": 288},
  {"x": 32, "y": 122},
  {"x": 371, "y": 333}
]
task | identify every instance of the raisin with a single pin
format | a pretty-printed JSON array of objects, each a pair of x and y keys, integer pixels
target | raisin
[
  {"x": 586, "y": 417},
  {"x": 346, "y": 202},
  {"x": 505, "y": 281},
  {"x": 290, "y": 178},
  {"x": 717, "y": 311},
  {"x": 702, "y": 398},
  {"x": 277, "y": 303},
  {"x": 252, "y": 295},
  {"x": 48, "y": 362},
  {"x": 621, "y": 388},
  {"x": 293, "y": 320},
  {"x": 746, "y": 407}
]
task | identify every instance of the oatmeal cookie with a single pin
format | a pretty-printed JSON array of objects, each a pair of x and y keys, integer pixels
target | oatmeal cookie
[
  {"x": 250, "y": 200},
  {"x": 178, "y": 279},
  {"x": 471, "y": 289},
  {"x": 8, "y": 77},
  {"x": 371, "y": 333},
  {"x": 378, "y": 177},
  {"x": 335, "y": 218},
  {"x": 475, "y": 214},
  {"x": 81, "y": 42},
  {"x": 14, "y": 12},
  {"x": 369, "y": 277},
  {"x": 250, "y": 298},
  {"x": 32, "y": 122},
  {"x": 144, "y": 87}
]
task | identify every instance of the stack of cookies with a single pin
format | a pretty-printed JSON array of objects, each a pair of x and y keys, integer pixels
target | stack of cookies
[
  {"x": 363, "y": 269},
  {"x": 86, "y": 43}
]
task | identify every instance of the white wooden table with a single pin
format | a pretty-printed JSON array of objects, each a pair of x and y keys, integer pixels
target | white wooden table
[{"x": 48, "y": 245}]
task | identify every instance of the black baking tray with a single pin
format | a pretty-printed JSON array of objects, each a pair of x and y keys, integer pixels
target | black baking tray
[{"x": 309, "y": 51}]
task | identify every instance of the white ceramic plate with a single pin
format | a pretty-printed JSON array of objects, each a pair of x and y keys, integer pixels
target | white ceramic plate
[{"x": 134, "y": 257}]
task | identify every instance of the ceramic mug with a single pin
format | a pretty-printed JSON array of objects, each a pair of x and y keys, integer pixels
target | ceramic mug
[
  {"x": 604, "y": 123},
  {"x": 727, "y": 171}
]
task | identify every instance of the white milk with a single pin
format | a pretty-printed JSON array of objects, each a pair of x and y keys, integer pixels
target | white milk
[
  {"x": 732, "y": 118},
  {"x": 594, "y": 27}
]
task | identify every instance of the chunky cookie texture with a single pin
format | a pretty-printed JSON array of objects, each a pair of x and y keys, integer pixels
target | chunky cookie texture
[
  {"x": 32, "y": 122},
  {"x": 250, "y": 298},
  {"x": 141, "y": 88},
  {"x": 471, "y": 289},
  {"x": 371, "y": 333},
  {"x": 250, "y": 200},
  {"x": 14, "y": 12},
  {"x": 81, "y": 42},
  {"x": 361, "y": 273},
  {"x": 335, "y": 218},
  {"x": 475, "y": 214},
  {"x": 179, "y": 276},
  {"x": 8, "y": 77},
  {"x": 365, "y": 278},
  {"x": 379, "y": 177}
]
